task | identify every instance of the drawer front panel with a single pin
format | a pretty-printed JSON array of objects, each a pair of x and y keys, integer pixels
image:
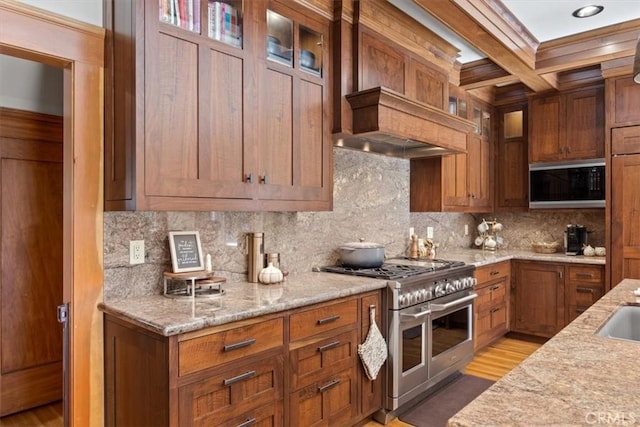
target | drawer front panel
[
  {"x": 315, "y": 361},
  {"x": 311, "y": 322},
  {"x": 585, "y": 273},
  {"x": 491, "y": 272},
  {"x": 231, "y": 393},
  {"x": 328, "y": 402},
  {"x": 215, "y": 349}
]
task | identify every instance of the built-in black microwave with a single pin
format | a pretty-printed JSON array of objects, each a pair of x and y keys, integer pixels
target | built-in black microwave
[{"x": 575, "y": 184}]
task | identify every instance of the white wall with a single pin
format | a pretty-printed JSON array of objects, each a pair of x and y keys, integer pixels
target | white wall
[{"x": 31, "y": 86}]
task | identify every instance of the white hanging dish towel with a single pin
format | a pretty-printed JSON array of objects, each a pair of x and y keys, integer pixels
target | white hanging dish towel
[{"x": 373, "y": 351}]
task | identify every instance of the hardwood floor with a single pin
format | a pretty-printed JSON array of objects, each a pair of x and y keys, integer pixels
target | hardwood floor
[
  {"x": 491, "y": 362},
  {"x": 42, "y": 416}
]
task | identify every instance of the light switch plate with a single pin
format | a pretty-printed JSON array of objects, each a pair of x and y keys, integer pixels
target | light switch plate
[{"x": 429, "y": 232}]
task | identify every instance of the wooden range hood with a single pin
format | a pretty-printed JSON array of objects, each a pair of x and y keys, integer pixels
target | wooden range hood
[{"x": 387, "y": 122}]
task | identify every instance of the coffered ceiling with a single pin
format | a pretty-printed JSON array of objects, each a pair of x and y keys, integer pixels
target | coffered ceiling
[{"x": 534, "y": 42}]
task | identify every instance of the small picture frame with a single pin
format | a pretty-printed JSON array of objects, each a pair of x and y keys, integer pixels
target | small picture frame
[{"x": 186, "y": 251}]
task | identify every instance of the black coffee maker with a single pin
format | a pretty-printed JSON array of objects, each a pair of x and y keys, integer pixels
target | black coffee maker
[{"x": 575, "y": 237}]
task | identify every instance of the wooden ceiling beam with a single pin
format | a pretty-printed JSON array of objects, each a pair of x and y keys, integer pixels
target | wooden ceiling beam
[
  {"x": 588, "y": 48},
  {"x": 493, "y": 30},
  {"x": 483, "y": 72}
]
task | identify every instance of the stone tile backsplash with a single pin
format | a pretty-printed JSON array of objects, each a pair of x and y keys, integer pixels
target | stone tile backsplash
[{"x": 371, "y": 201}]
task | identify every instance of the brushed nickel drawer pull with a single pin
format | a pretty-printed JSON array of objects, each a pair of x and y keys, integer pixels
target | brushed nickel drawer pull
[
  {"x": 494, "y": 272},
  {"x": 249, "y": 422},
  {"x": 584, "y": 290},
  {"x": 238, "y": 378},
  {"x": 238, "y": 345},
  {"x": 328, "y": 320},
  {"x": 328, "y": 346},
  {"x": 584, "y": 275},
  {"x": 495, "y": 288},
  {"x": 580, "y": 310},
  {"x": 328, "y": 386}
]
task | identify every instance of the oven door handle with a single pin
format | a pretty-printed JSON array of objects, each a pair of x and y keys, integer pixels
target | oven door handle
[
  {"x": 415, "y": 315},
  {"x": 442, "y": 307}
]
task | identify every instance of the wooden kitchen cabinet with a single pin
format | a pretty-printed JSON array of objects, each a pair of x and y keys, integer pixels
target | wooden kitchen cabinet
[
  {"x": 512, "y": 165},
  {"x": 623, "y": 102},
  {"x": 546, "y": 296},
  {"x": 323, "y": 354},
  {"x": 194, "y": 122},
  {"x": 584, "y": 285},
  {"x": 491, "y": 308},
  {"x": 567, "y": 126},
  {"x": 538, "y": 298},
  {"x": 298, "y": 367},
  {"x": 625, "y": 208},
  {"x": 460, "y": 182}
]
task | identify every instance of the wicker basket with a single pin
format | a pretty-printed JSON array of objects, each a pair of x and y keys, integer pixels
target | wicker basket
[{"x": 545, "y": 248}]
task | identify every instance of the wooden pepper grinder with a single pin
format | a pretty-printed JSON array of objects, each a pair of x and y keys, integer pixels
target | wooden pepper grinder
[{"x": 414, "y": 247}]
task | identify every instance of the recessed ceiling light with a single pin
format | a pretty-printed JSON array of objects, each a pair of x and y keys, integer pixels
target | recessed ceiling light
[{"x": 587, "y": 11}]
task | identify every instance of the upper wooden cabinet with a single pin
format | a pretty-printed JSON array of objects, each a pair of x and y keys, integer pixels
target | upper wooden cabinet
[
  {"x": 511, "y": 165},
  {"x": 623, "y": 102},
  {"x": 460, "y": 182},
  {"x": 203, "y": 115},
  {"x": 567, "y": 126}
]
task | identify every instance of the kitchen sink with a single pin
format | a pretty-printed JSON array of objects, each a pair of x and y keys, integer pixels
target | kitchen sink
[{"x": 623, "y": 324}]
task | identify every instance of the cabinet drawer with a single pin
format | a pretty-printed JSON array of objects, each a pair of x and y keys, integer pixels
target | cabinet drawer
[
  {"x": 217, "y": 348},
  {"x": 234, "y": 392},
  {"x": 489, "y": 296},
  {"x": 307, "y": 323},
  {"x": 332, "y": 401},
  {"x": 266, "y": 416},
  {"x": 315, "y": 361},
  {"x": 491, "y": 272},
  {"x": 584, "y": 273}
]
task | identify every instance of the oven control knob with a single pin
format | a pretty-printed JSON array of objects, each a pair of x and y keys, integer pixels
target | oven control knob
[
  {"x": 458, "y": 284},
  {"x": 422, "y": 295},
  {"x": 450, "y": 288},
  {"x": 440, "y": 290},
  {"x": 402, "y": 300}
]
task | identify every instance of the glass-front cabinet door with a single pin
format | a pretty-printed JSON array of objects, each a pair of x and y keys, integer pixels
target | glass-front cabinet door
[
  {"x": 293, "y": 44},
  {"x": 218, "y": 20}
]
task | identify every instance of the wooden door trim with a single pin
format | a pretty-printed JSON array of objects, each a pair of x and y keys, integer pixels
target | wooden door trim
[{"x": 78, "y": 48}]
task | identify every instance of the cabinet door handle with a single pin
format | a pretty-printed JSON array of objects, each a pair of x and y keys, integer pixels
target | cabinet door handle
[
  {"x": 328, "y": 320},
  {"x": 493, "y": 310},
  {"x": 249, "y": 422},
  {"x": 249, "y": 178},
  {"x": 560, "y": 274},
  {"x": 238, "y": 345},
  {"x": 263, "y": 179},
  {"x": 580, "y": 310},
  {"x": 584, "y": 275},
  {"x": 584, "y": 290},
  {"x": 328, "y": 346},
  {"x": 238, "y": 378},
  {"x": 327, "y": 386}
]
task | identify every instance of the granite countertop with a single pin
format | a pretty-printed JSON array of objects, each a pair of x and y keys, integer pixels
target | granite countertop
[
  {"x": 242, "y": 300},
  {"x": 576, "y": 378},
  {"x": 479, "y": 257}
]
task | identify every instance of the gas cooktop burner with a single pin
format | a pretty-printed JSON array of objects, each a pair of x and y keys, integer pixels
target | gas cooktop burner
[{"x": 396, "y": 268}]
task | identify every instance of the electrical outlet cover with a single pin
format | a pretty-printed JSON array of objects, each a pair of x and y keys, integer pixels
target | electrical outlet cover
[{"x": 136, "y": 252}]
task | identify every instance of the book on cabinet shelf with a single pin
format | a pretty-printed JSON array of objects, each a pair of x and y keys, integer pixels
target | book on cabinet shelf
[
  {"x": 224, "y": 23},
  {"x": 182, "y": 13}
]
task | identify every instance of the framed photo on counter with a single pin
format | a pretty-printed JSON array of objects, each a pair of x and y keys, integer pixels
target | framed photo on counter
[{"x": 186, "y": 251}]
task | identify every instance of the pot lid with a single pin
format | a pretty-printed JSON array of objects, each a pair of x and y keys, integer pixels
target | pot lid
[{"x": 362, "y": 245}]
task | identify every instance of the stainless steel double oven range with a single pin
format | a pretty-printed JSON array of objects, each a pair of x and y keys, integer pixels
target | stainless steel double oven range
[{"x": 429, "y": 324}]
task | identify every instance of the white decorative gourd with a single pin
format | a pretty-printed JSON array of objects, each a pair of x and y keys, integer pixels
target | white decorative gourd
[{"x": 270, "y": 274}]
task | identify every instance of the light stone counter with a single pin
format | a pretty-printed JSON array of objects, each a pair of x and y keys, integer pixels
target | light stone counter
[
  {"x": 242, "y": 300},
  {"x": 479, "y": 257},
  {"x": 575, "y": 379}
]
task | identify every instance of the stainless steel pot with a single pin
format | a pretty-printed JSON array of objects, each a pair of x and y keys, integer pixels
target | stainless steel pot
[{"x": 362, "y": 254}]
